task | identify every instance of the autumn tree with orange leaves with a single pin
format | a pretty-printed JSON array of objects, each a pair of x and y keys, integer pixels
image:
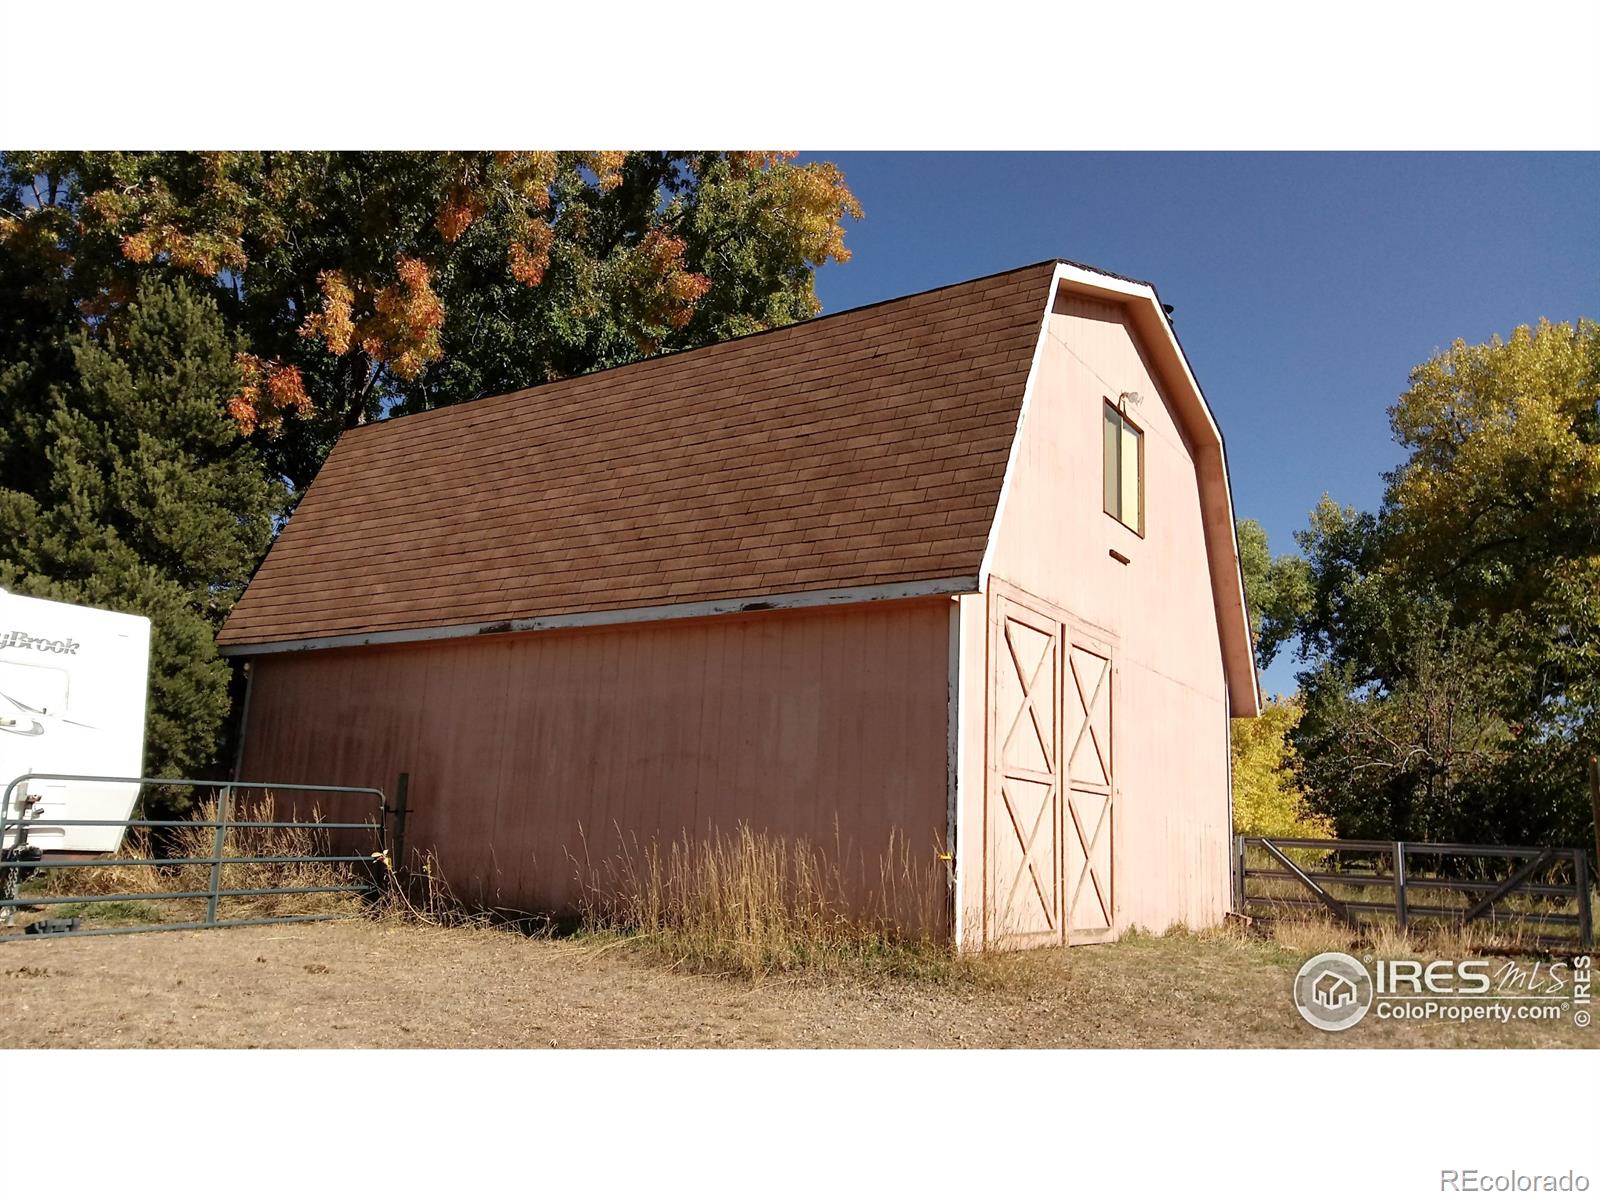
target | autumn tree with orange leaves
[
  {"x": 181, "y": 334},
  {"x": 370, "y": 283}
]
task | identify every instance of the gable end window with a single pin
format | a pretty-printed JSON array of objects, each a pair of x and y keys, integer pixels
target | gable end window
[{"x": 1124, "y": 463}]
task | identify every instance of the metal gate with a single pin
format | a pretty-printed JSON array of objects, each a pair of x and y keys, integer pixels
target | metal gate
[
  {"x": 17, "y": 867},
  {"x": 1536, "y": 894}
]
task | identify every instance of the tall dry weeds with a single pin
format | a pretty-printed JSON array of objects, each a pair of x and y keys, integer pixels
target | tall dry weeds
[
  {"x": 425, "y": 897},
  {"x": 1305, "y": 934},
  {"x": 752, "y": 903}
]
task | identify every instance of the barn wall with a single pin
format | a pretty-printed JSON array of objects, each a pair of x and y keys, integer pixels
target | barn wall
[
  {"x": 792, "y": 721},
  {"x": 1171, "y": 830}
]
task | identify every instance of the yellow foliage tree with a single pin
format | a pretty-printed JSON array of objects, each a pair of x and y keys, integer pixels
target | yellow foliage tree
[{"x": 1266, "y": 800}]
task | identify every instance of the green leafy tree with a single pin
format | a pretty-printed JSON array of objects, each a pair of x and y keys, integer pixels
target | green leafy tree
[
  {"x": 1454, "y": 635},
  {"x": 1277, "y": 591},
  {"x": 363, "y": 283},
  {"x": 1422, "y": 755},
  {"x": 128, "y": 486}
]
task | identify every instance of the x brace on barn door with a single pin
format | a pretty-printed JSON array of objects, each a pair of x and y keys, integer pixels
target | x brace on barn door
[
  {"x": 1044, "y": 732},
  {"x": 1090, "y": 789},
  {"x": 1043, "y": 884},
  {"x": 1022, "y": 824}
]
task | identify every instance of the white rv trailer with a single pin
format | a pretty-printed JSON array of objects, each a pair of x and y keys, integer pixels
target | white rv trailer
[{"x": 72, "y": 701}]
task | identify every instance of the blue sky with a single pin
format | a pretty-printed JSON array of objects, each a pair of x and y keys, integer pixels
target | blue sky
[{"x": 1305, "y": 286}]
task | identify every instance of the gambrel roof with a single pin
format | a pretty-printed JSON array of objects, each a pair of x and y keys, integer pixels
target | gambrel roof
[
  {"x": 857, "y": 455},
  {"x": 863, "y": 448}
]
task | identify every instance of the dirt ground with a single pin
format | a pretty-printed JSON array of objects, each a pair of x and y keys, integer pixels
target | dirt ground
[{"x": 386, "y": 984}]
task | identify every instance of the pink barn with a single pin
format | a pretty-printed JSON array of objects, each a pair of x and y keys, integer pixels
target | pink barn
[{"x": 958, "y": 568}]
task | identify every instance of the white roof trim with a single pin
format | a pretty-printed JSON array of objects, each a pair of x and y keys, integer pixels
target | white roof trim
[
  {"x": 1103, "y": 283},
  {"x": 956, "y": 585},
  {"x": 987, "y": 563}
]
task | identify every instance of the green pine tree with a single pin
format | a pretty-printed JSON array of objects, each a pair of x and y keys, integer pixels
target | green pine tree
[{"x": 127, "y": 486}]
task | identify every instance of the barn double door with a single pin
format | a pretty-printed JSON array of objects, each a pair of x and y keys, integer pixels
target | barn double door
[{"x": 1050, "y": 793}]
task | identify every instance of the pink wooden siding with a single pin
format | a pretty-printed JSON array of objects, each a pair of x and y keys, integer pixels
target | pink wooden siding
[
  {"x": 796, "y": 722},
  {"x": 1170, "y": 835}
]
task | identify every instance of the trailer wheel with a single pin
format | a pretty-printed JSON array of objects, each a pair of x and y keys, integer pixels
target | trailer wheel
[
  {"x": 15, "y": 868},
  {"x": 9, "y": 879}
]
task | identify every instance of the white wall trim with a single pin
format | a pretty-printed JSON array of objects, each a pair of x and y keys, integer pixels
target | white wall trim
[
  {"x": 953, "y": 769},
  {"x": 619, "y": 616}
]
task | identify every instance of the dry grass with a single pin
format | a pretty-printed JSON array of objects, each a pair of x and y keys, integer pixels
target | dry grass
[
  {"x": 1508, "y": 933},
  {"x": 1229, "y": 952},
  {"x": 199, "y": 842},
  {"x": 751, "y": 904},
  {"x": 778, "y": 958},
  {"x": 1300, "y": 936},
  {"x": 425, "y": 897},
  {"x": 388, "y": 983}
]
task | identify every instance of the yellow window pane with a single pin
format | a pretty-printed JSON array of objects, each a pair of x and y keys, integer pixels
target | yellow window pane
[
  {"x": 1113, "y": 488},
  {"x": 1129, "y": 477}
]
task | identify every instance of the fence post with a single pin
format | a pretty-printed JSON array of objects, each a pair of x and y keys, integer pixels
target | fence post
[
  {"x": 402, "y": 790},
  {"x": 1238, "y": 875},
  {"x": 1580, "y": 877},
  {"x": 1402, "y": 916},
  {"x": 219, "y": 842}
]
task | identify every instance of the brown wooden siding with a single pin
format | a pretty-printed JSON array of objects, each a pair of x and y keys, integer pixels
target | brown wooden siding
[{"x": 519, "y": 748}]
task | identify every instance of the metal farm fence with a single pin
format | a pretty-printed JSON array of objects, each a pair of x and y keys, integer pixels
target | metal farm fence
[
  {"x": 15, "y": 868},
  {"x": 1541, "y": 891}
]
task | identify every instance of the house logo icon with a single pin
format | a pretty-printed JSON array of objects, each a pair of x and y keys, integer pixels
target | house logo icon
[{"x": 1333, "y": 991}]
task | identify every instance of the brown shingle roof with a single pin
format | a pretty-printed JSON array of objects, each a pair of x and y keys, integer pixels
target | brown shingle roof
[{"x": 862, "y": 448}]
